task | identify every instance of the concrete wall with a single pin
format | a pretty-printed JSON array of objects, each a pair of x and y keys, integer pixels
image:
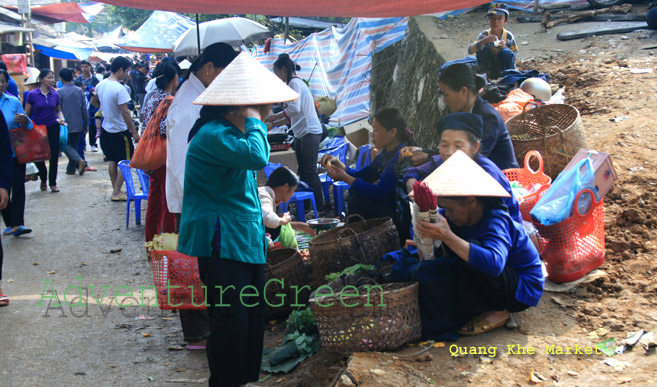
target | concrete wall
[{"x": 405, "y": 76}]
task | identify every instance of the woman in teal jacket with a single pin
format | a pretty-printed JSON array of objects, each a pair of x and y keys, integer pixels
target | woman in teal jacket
[{"x": 221, "y": 220}]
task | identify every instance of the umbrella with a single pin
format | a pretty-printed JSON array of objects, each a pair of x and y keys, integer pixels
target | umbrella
[{"x": 232, "y": 30}]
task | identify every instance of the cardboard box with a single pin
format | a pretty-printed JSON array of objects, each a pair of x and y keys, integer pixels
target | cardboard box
[
  {"x": 358, "y": 133},
  {"x": 605, "y": 174}
]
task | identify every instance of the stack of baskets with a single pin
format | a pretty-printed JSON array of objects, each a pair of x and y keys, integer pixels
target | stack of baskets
[
  {"x": 381, "y": 317},
  {"x": 554, "y": 130},
  {"x": 359, "y": 242},
  {"x": 528, "y": 178}
]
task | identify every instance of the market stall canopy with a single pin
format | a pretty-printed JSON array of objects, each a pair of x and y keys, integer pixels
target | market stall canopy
[
  {"x": 158, "y": 33},
  {"x": 232, "y": 30},
  {"x": 63, "y": 48},
  {"x": 306, "y": 23},
  {"x": 109, "y": 39},
  {"x": 336, "y": 8},
  {"x": 58, "y": 12}
]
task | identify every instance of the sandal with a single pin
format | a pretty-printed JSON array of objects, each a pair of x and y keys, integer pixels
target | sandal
[
  {"x": 44, "y": 186},
  {"x": 4, "y": 300},
  {"x": 21, "y": 230},
  {"x": 121, "y": 198},
  {"x": 54, "y": 188},
  {"x": 479, "y": 325}
]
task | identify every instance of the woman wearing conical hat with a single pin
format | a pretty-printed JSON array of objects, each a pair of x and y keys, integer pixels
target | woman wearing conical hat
[
  {"x": 221, "y": 220},
  {"x": 498, "y": 270}
]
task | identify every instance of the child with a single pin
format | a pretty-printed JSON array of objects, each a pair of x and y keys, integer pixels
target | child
[{"x": 496, "y": 48}]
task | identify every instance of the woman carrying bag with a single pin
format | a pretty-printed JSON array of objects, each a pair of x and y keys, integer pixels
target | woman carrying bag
[
  {"x": 13, "y": 214},
  {"x": 44, "y": 107}
]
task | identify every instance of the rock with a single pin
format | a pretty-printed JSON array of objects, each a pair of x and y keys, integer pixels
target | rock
[
  {"x": 377, "y": 371},
  {"x": 345, "y": 381}
]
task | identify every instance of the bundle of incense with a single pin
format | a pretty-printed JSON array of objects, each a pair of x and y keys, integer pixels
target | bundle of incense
[{"x": 425, "y": 208}]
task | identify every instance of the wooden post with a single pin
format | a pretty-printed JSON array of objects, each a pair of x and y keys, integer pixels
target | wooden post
[{"x": 287, "y": 30}]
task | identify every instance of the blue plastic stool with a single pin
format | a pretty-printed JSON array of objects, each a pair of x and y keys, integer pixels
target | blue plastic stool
[
  {"x": 341, "y": 153},
  {"x": 299, "y": 198},
  {"x": 126, "y": 172}
]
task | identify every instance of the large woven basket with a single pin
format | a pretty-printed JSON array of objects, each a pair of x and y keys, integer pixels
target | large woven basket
[
  {"x": 553, "y": 130},
  {"x": 358, "y": 242},
  {"x": 284, "y": 265},
  {"x": 377, "y": 322}
]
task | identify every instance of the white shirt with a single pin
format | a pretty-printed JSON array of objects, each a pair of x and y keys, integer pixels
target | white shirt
[
  {"x": 180, "y": 118},
  {"x": 268, "y": 205},
  {"x": 301, "y": 111},
  {"x": 151, "y": 86},
  {"x": 111, "y": 94}
]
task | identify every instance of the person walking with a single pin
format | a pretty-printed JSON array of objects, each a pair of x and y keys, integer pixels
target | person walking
[
  {"x": 43, "y": 107},
  {"x": 115, "y": 138},
  {"x": 13, "y": 214},
  {"x": 89, "y": 80},
  {"x": 74, "y": 107}
]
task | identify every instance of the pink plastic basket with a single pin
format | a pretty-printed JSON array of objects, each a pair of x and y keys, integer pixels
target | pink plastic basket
[{"x": 180, "y": 272}]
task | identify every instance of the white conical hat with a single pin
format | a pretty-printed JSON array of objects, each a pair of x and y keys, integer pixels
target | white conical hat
[
  {"x": 185, "y": 64},
  {"x": 246, "y": 82},
  {"x": 33, "y": 75},
  {"x": 461, "y": 176}
]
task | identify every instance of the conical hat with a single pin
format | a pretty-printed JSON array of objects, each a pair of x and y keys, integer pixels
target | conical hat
[
  {"x": 246, "y": 82},
  {"x": 461, "y": 176},
  {"x": 185, "y": 64},
  {"x": 33, "y": 75}
]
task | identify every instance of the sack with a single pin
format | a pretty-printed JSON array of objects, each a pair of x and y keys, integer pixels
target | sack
[
  {"x": 557, "y": 203},
  {"x": 63, "y": 137},
  {"x": 288, "y": 237},
  {"x": 30, "y": 145},
  {"x": 151, "y": 152}
]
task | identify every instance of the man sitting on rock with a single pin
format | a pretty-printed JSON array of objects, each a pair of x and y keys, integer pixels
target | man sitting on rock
[{"x": 496, "y": 47}]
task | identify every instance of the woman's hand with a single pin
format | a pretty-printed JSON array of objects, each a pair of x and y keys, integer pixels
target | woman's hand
[
  {"x": 61, "y": 121},
  {"x": 409, "y": 186},
  {"x": 337, "y": 174},
  {"x": 439, "y": 230},
  {"x": 409, "y": 151},
  {"x": 285, "y": 219},
  {"x": 21, "y": 119},
  {"x": 330, "y": 162},
  {"x": 303, "y": 227}
]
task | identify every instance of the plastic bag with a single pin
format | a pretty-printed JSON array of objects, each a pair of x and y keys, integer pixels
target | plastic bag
[
  {"x": 288, "y": 237},
  {"x": 557, "y": 203},
  {"x": 30, "y": 145},
  {"x": 151, "y": 152},
  {"x": 63, "y": 137}
]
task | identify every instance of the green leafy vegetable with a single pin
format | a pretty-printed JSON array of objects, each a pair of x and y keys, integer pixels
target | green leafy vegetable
[{"x": 351, "y": 270}]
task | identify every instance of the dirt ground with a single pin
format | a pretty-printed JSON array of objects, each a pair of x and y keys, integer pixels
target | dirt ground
[{"x": 100, "y": 343}]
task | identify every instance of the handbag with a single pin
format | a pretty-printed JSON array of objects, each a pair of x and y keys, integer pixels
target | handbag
[
  {"x": 151, "y": 152},
  {"x": 30, "y": 145},
  {"x": 63, "y": 137}
]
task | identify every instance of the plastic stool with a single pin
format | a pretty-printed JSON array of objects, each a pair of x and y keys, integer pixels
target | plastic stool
[
  {"x": 299, "y": 198},
  {"x": 126, "y": 171},
  {"x": 338, "y": 196}
]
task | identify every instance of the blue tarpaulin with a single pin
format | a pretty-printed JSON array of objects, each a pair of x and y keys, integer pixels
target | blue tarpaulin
[
  {"x": 65, "y": 52},
  {"x": 158, "y": 33}
]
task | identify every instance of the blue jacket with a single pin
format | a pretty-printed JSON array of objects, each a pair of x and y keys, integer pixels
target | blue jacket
[
  {"x": 500, "y": 241},
  {"x": 496, "y": 141},
  {"x": 377, "y": 180},
  {"x": 221, "y": 190}
]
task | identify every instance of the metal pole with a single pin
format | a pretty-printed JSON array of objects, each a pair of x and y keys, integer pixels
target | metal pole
[
  {"x": 287, "y": 30},
  {"x": 198, "y": 36}
]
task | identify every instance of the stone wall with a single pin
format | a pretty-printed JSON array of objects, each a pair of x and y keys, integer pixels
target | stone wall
[{"x": 405, "y": 76}]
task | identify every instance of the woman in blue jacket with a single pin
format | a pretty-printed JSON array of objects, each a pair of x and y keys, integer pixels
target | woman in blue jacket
[{"x": 374, "y": 188}]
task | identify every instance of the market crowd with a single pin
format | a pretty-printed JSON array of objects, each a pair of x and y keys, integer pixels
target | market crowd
[{"x": 214, "y": 116}]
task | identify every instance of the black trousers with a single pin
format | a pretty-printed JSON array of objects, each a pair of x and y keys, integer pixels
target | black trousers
[
  {"x": 479, "y": 292},
  {"x": 195, "y": 324},
  {"x": 1, "y": 257},
  {"x": 13, "y": 214},
  {"x": 92, "y": 131},
  {"x": 53, "y": 141},
  {"x": 306, "y": 149},
  {"x": 234, "y": 348}
]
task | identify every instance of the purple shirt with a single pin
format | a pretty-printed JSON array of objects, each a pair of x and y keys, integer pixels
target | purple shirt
[{"x": 44, "y": 107}]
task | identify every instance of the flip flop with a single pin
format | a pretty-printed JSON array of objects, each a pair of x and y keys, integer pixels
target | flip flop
[
  {"x": 195, "y": 347},
  {"x": 44, "y": 186},
  {"x": 21, "y": 230},
  {"x": 8, "y": 231},
  {"x": 4, "y": 300},
  {"x": 479, "y": 325},
  {"x": 54, "y": 188},
  {"x": 90, "y": 169},
  {"x": 121, "y": 198}
]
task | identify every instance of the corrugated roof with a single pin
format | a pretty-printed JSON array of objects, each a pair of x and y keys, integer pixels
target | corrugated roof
[{"x": 4, "y": 28}]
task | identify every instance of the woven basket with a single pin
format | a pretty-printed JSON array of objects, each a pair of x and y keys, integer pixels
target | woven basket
[
  {"x": 374, "y": 327},
  {"x": 527, "y": 178},
  {"x": 285, "y": 265},
  {"x": 359, "y": 242},
  {"x": 553, "y": 130}
]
